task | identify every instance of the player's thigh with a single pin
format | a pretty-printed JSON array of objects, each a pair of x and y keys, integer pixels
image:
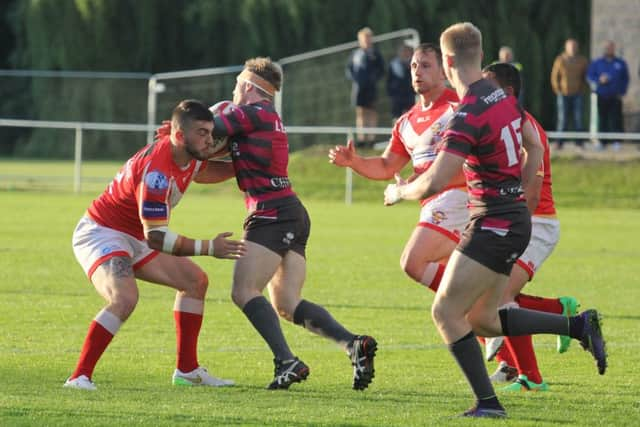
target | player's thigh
[
  {"x": 114, "y": 280},
  {"x": 517, "y": 280},
  {"x": 256, "y": 268},
  {"x": 426, "y": 244},
  {"x": 464, "y": 282},
  {"x": 179, "y": 273},
  {"x": 286, "y": 285}
]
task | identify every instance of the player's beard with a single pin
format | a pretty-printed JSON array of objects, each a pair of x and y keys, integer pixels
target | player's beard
[{"x": 195, "y": 153}]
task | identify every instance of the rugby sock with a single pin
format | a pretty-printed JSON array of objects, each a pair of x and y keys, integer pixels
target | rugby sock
[
  {"x": 433, "y": 275},
  {"x": 265, "y": 320},
  {"x": 101, "y": 331},
  {"x": 520, "y": 321},
  {"x": 468, "y": 354},
  {"x": 525, "y": 358},
  {"x": 549, "y": 305},
  {"x": 504, "y": 355},
  {"x": 187, "y": 330},
  {"x": 319, "y": 321}
]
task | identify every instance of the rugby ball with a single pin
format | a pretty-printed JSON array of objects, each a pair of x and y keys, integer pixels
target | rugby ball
[{"x": 221, "y": 144}]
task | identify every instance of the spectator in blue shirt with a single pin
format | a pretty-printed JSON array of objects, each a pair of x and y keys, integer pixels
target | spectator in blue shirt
[{"x": 609, "y": 79}]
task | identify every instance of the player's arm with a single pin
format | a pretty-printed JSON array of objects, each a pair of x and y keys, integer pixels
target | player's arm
[
  {"x": 381, "y": 167},
  {"x": 214, "y": 171},
  {"x": 533, "y": 152},
  {"x": 164, "y": 240},
  {"x": 444, "y": 168}
]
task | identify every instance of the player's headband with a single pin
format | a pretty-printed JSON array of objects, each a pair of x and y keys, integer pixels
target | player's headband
[{"x": 257, "y": 81}]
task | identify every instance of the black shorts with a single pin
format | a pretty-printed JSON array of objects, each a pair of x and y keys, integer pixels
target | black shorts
[
  {"x": 280, "y": 225},
  {"x": 497, "y": 241}
]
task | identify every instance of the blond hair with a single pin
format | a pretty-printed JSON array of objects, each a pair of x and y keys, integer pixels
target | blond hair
[
  {"x": 365, "y": 31},
  {"x": 464, "y": 41},
  {"x": 268, "y": 70}
]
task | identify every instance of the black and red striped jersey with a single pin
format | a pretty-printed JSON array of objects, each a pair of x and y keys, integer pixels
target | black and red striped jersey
[
  {"x": 259, "y": 150},
  {"x": 487, "y": 130}
]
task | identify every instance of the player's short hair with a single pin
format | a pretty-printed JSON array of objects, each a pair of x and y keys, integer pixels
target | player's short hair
[
  {"x": 265, "y": 68},
  {"x": 464, "y": 41},
  {"x": 506, "y": 75},
  {"x": 430, "y": 47},
  {"x": 188, "y": 111}
]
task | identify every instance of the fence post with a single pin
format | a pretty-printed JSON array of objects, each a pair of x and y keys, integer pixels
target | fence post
[
  {"x": 77, "y": 174},
  {"x": 348, "y": 180},
  {"x": 593, "y": 117}
]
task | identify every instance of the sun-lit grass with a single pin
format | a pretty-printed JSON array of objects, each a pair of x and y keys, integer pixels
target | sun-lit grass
[{"x": 46, "y": 305}]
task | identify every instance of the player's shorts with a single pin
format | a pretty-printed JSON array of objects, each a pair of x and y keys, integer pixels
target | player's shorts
[
  {"x": 93, "y": 244},
  {"x": 545, "y": 233},
  {"x": 280, "y": 225},
  {"x": 446, "y": 213},
  {"x": 497, "y": 241}
]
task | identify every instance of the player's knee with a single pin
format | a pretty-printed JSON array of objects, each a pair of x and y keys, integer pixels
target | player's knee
[
  {"x": 123, "y": 303},
  {"x": 197, "y": 285},
  {"x": 239, "y": 296}
]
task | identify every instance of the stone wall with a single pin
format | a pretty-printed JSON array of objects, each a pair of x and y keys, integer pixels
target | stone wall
[{"x": 619, "y": 20}]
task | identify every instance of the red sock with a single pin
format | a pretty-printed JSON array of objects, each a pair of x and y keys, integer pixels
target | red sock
[
  {"x": 549, "y": 305},
  {"x": 187, "y": 331},
  {"x": 504, "y": 355},
  {"x": 95, "y": 343},
  {"x": 521, "y": 348},
  {"x": 435, "y": 283}
]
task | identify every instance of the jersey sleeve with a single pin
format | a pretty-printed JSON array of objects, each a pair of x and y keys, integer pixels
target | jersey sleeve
[
  {"x": 153, "y": 197},
  {"x": 242, "y": 119},
  {"x": 459, "y": 137},
  {"x": 395, "y": 143}
]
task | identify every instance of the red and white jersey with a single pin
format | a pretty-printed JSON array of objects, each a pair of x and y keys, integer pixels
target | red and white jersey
[
  {"x": 417, "y": 134},
  {"x": 144, "y": 191},
  {"x": 546, "y": 206}
]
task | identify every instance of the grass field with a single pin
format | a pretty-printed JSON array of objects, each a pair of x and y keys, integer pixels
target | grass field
[{"x": 46, "y": 305}]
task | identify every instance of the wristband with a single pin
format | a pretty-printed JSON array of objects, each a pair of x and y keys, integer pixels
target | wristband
[
  {"x": 197, "y": 247},
  {"x": 210, "y": 251},
  {"x": 169, "y": 241}
]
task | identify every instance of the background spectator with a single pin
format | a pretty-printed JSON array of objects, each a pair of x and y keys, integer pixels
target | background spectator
[
  {"x": 399, "y": 86},
  {"x": 609, "y": 79},
  {"x": 365, "y": 68},
  {"x": 568, "y": 81},
  {"x": 505, "y": 54}
]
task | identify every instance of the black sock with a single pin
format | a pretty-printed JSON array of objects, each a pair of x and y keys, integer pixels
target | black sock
[
  {"x": 468, "y": 354},
  {"x": 576, "y": 326},
  {"x": 319, "y": 321},
  {"x": 265, "y": 320},
  {"x": 520, "y": 321}
]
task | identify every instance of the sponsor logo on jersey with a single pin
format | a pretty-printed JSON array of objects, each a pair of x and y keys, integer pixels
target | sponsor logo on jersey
[
  {"x": 154, "y": 210},
  {"x": 280, "y": 182},
  {"x": 494, "y": 97},
  {"x": 156, "y": 181}
]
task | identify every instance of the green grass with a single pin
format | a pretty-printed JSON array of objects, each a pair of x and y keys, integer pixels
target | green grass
[{"x": 46, "y": 305}]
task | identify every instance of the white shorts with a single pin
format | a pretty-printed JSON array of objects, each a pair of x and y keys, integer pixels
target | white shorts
[
  {"x": 545, "y": 233},
  {"x": 93, "y": 244},
  {"x": 446, "y": 213}
]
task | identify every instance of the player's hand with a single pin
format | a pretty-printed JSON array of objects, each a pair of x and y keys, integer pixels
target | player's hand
[
  {"x": 393, "y": 192},
  {"x": 226, "y": 248},
  {"x": 163, "y": 130},
  {"x": 342, "y": 155}
]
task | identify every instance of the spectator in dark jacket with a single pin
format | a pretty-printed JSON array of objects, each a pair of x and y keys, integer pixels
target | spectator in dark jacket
[
  {"x": 365, "y": 68},
  {"x": 399, "y": 86}
]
